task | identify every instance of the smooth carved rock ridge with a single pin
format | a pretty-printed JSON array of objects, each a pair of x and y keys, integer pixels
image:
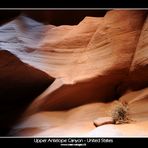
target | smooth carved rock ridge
[
  {"x": 87, "y": 68},
  {"x": 99, "y": 69}
]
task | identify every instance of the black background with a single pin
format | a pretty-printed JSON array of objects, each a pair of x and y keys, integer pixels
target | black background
[
  {"x": 74, "y": 4},
  {"x": 116, "y": 142}
]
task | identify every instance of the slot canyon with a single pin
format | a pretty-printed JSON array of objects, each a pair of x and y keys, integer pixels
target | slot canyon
[{"x": 73, "y": 73}]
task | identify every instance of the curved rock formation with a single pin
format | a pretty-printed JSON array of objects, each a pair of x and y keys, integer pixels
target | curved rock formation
[
  {"x": 79, "y": 121},
  {"x": 19, "y": 85},
  {"x": 99, "y": 60},
  {"x": 91, "y": 69},
  {"x": 139, "y": 67}
]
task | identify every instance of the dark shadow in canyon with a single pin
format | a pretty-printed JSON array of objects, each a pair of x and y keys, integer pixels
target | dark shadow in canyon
[
  {"x": 54, "y": 17},
  {"x": 99, "y": 89},
  {"x": 20, "y": 84},
  {"x": 135, "y": 80}
]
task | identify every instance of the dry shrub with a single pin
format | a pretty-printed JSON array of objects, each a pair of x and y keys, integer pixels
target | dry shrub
[{"x": 120, "y": 113}]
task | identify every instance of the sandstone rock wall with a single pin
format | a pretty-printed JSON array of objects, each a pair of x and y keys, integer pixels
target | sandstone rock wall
[{"x": 99, "y": 60}]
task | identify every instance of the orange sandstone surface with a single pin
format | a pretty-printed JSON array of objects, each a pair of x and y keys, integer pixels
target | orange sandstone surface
[{"x": 81, "y": 71}]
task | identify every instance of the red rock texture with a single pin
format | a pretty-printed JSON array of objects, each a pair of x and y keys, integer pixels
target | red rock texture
[
  {"x": 19, "y": 85},
  {"x": 92, "y": 70},
  {"x": 100, "y": 60}
]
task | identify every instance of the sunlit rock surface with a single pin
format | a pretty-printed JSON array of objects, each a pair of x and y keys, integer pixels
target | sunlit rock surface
[
  {"x": 79, "y": 121},
  {"x": 95, "y": 62}
]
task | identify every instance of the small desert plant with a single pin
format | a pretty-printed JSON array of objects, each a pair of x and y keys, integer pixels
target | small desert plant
[{"x": 120, "y": 113}]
